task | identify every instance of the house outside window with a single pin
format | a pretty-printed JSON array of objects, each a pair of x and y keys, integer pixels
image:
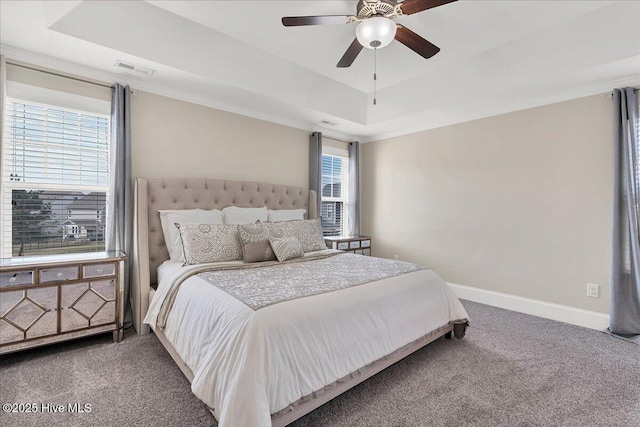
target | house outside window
[
  {"x": 55, "y": 176},
  {"x": 335, "y": 191}
]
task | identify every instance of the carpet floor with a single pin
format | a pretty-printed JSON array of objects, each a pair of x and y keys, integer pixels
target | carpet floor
[{"x": 510, "y": 370}]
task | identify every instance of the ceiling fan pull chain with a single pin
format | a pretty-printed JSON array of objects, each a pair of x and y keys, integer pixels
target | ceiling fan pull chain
[{"x": 375, "y": 73}]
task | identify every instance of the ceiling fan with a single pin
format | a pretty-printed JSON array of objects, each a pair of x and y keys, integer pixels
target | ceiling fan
[{"x": 377, "y": 26}]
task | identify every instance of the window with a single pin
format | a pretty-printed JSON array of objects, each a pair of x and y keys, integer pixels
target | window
[
  {"x": 55, "y": 179},
  {"x": 335, "y": 191}
]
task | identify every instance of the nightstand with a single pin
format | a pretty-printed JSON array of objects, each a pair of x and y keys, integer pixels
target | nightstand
[
  {"x": 360, "y": 245},
  {"x": 48, "y": 299}
]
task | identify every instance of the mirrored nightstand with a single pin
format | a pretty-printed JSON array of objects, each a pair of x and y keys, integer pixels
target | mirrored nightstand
[{"x": 360, "y": 245}]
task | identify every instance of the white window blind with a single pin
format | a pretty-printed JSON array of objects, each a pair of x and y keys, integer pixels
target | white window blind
[
  {"x": 335, "y": 192},
  {"x": 55, "y": 179}
]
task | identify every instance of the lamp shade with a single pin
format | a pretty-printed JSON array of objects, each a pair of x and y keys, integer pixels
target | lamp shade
[{"x": 376, "y": 32}]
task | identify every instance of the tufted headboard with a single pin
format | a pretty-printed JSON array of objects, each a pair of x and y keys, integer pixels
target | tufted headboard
[{"x": 154, "y": 194}]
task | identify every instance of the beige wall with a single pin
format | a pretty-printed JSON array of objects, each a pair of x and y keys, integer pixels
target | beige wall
[
  {"x": 171, "y": 138},
  {"x": 518, "y": 203}
]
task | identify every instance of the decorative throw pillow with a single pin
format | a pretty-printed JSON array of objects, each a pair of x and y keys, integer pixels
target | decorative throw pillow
[
  {"x": 210, "y": 243},
  {"x": 255, "y": 243},
  {"x": 184, "y": 216},
  {"x": 236, "y": 215},
  {"x": 286, "y": 248},
  {"x": 307, "y": 231},
  {"x": 276, "y": 215}
]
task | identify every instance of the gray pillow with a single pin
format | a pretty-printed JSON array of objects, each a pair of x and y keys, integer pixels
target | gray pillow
[
  {"x": 286, "y": 248},
  {"x": 210, "y": 243},
  {"x": 255, "y": 243},
  {"x": 307, "y": 231}
]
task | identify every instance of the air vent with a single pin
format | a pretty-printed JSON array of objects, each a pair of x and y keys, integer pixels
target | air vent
[
  {"x": 328, "y": 123},
  {"x": 134, "y": 68}
]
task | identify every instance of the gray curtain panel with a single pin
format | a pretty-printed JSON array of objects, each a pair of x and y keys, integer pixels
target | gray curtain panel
[
  {"x": 315, "y": 166},
  {"x": 625, "y": 265},
  {"x": 120, "y": 213},
  {"x": 354, "y": 188}
]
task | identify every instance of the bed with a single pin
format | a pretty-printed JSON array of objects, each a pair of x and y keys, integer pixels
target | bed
[{"x": 261, "y": 358}]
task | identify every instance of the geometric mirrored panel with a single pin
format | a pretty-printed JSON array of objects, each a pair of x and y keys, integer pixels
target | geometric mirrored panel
[
  {"x": 106, "y": 314},
  {"x": 9, "y": 332},
  {"x": 70, "y": 293},
  {"x": 24, "y": 314},
  {"x": 105, "y": 288},
  {"x": 71, "y": 320},
  {"x": 46, "y": 297},
  {"x": 88, "y": 304},
  {"x": 46, "y": 325},
  {"x": 9, "y": 299}
]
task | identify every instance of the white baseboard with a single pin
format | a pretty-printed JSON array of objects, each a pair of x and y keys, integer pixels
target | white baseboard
[{"x": 561, "y": 313}]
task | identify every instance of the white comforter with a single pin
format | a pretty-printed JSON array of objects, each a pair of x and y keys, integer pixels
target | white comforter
[{"x": 249, "y": 364}]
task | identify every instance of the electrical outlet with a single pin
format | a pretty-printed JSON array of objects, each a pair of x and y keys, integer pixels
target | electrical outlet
[
  {"x": 593, "y": 290},
  {"x": 396, "y": 257}
]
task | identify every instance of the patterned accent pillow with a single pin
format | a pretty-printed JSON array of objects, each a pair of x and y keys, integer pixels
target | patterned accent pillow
[
  {"x": 210, "y": 243},
  {"x": 184, "y": 216},
  {"x": 286, "y": 248},
  {"x": 255, "y": 243},
  {"x": 307, "y": 231}
]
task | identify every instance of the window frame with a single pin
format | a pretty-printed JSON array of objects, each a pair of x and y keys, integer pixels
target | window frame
[
  {"x": 48, "y": 98},
  {"x": 343, "y": 154}
]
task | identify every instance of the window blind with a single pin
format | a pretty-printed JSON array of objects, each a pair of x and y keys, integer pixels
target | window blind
[
  {"x": 55, "y": 179},
  {"x": 335, "y": 193}
]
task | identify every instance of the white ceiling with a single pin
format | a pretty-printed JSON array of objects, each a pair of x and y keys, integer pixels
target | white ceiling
[{"x": 496, "y": 57}]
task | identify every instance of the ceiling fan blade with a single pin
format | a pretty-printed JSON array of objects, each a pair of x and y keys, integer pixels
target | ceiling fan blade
[
  {"x": 410, "y": 7},
  {"x": 350, "y": 55},
  {"x": 416, "y": 43},
  {"x": 295, "y": 21}
]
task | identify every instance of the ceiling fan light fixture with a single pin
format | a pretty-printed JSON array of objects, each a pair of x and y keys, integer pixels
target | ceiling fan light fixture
[{"x": 376, "y": 32}]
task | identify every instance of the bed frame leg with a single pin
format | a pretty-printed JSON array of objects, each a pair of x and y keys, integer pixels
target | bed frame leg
[
  {"x": 459, "y": 329},
  {"x": 448, "y": 335}
]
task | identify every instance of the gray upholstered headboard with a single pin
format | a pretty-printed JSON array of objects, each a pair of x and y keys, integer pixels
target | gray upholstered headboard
[{"x": 153, "y": 194}]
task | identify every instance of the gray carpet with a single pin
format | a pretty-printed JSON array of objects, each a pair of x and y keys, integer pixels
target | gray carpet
[{"x": 511, "y": 370}]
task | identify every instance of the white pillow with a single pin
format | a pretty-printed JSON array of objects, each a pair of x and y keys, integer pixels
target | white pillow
[
  {"x": 286, "y": 214},
  {"x": 236, "y": 215},
  {"x": 169, "y": 218}
]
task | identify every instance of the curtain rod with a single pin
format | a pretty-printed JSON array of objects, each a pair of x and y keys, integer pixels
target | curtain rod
[
  {"x": 632, "y": 87},
  {"x": 337, "y": 139},
  {"x": 53, "y": 73},
  {"x": 610, "y": 94}
]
